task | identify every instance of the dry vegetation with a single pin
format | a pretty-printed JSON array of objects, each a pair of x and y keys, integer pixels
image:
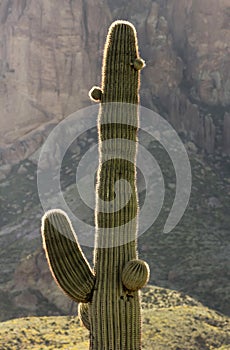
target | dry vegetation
[{"x": 171, "y": 321}]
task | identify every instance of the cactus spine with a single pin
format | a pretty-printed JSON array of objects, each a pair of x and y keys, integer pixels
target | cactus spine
[{"x": 111, "y": 290}]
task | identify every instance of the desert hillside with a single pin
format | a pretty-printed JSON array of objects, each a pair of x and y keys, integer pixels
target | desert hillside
[
  {"x": 50, "y": 56},
  {"x": 171, "y": 321}
]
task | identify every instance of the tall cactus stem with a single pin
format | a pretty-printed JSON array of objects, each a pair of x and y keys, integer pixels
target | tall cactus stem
[{"x": 115, "y": 313}]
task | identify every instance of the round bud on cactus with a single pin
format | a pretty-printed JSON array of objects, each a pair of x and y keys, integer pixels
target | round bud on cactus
[
  {"x": 83, "y": 311},
  {"x": 95, "y": 93},
  {"x": 138, "y": 64},
  {"x": 135, "y": 274}
]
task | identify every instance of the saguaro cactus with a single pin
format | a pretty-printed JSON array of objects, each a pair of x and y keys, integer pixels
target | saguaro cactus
[{"x": 109, "y": 294}]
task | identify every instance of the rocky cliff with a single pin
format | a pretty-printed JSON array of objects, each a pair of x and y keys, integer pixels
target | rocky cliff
[
  {"x": 47, "y": 65},
  {"x": 50, "y": 55}
]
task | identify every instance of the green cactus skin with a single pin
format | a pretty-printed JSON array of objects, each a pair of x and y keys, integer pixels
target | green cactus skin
[{"x": 111, "y": 291}]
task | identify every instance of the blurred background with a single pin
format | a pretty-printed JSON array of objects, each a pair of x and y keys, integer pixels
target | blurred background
[{"x": 50, "y": 57}]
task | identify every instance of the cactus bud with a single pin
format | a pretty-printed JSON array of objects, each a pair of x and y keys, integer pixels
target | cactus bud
[
  {"x": 135, "y": 274},
  {"x": 95, "y": 93}
]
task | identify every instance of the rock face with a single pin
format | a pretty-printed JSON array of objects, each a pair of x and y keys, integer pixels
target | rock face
[
  {"x": 201, "y": 32},
  {"x": 34, "y": 287},
  {"x": 51, "y": 51},
  {"x": 201, "y": 36},
  {"x": 226, "y": 138},
  {"x": 47, "y": 62},
  {"x": 189, "y": 70}
]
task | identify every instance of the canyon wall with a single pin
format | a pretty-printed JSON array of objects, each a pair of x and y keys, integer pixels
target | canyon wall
[{"x": 51, "y": 52}]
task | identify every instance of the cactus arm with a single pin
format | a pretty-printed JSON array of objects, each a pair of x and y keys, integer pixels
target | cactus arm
[
  {"x": 67, "y": 263},
  {"x": 83, "y": 312}
]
